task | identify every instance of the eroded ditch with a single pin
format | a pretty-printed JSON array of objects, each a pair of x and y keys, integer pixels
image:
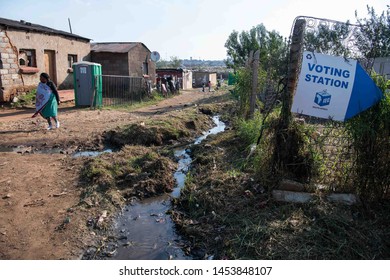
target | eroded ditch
[{"x": 144, "y": 229}]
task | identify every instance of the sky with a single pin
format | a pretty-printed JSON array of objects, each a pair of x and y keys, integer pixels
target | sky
[{"x": 182, "y": 28}]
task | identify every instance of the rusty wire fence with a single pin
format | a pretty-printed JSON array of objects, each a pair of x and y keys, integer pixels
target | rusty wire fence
[
  {"x": 334, "y": 161},
  {"x": 122, "y": 90}
]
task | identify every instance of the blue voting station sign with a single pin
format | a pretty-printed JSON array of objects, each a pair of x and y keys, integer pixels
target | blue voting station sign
[{"x": 333, "y": 87}]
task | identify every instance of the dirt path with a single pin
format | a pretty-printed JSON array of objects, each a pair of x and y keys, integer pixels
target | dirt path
[
  {"x": 80, "y": 127},
  {"x": 38, "y": 191}
]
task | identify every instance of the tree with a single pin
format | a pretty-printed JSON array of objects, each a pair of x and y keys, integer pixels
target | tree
[
  {"x": 162, "y": 63},
  {"x": 272, "y": 50},
  {"x": 374, "y": 39},
  {"x": 175, "y": 62},
  {"x": 329, "y": 38},
  {"x": 369, "y": 38},
  {"x": 271, "y": 44}
]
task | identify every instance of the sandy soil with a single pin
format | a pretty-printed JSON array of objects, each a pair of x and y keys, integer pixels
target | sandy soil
[{"x": 38, "y": 191}]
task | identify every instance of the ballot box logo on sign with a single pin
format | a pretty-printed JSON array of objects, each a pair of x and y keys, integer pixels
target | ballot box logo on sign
[{"x": 322, "y": 98}]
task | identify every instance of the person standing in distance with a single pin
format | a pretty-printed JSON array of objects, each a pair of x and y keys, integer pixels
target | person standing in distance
[{"x": 47, "y": 100}]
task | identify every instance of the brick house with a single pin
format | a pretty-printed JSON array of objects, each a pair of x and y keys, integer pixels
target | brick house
[
  {"x": 28, "y": 49},
  {"x": 124, "y": 59}
]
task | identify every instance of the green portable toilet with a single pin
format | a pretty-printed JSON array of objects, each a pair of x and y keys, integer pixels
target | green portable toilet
[
  {"x": 87, "y": 80},
  {"x": 231, "y": 79}
]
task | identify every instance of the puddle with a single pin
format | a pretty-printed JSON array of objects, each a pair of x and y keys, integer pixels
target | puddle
[
  {"x": 91, "y": 153},
  {"x": 145, "y": 231},
  {"x": 32, "y": 150},
  {"x": 6, "y": 149}
]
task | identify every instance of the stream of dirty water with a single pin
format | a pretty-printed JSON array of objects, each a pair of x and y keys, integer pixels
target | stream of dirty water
[
  {"x": 91, "y": 153},
  {"x": 32, "y": 150},
  {"x": 144, "y": 229}
]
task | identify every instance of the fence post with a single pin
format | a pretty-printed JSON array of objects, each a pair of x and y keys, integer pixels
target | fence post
[
  {"x": 255, "y": 69},
  {"x": 287, "y": 142},
  {"x": 296, "y": 49},
  {"x": 94, "y": 93}
]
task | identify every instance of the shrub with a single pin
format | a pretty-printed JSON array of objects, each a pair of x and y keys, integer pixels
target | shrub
[
  {"x": 243, "y": 88},
  {"x": 370, "y": 133}
]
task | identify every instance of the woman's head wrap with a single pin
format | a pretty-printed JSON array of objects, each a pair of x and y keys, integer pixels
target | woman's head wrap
[{"x": 46, "y": 76}]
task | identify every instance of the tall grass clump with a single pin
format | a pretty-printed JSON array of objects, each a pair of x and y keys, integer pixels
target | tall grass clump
[
  {"x": 370, "y": 135},
  {"x": 243, "y": 88},
  {"x": 248, "y": 130}
]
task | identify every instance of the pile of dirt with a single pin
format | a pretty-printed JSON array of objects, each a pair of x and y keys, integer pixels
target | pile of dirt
[
  {"x": 179, "y": 126},
  {"x": 227, "y": 214},
  {"x": 138, "y": 134},
  {"x": 135, "y": 171}
]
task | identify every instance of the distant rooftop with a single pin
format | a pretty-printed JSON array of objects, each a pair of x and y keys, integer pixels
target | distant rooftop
[
  {"x": 28, "y": 26},
  {"x": 115, "y": 47},
  {"x": 170, "y": 69}
]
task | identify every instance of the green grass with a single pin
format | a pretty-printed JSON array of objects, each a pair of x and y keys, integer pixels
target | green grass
[
  {"x": 226, "y": 212},
  {"x": 155, "y": 99},
  {"x": 25, "y": 100},
  {"x": 249, "y": 130}
]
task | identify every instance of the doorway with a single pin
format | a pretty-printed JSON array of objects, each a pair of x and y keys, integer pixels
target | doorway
[{"x": 50, "y": 65}]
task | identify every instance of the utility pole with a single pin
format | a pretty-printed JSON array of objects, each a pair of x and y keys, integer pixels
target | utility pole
[{"x": 70, "y": 25}]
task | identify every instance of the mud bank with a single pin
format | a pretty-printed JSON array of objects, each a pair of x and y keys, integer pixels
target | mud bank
[{"x": 144, "y": 229}]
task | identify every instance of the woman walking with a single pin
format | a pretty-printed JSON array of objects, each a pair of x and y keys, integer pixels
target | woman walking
[{"x": 47, "y": 100}]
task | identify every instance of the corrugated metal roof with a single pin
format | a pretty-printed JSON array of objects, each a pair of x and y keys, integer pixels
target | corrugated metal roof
[
  {"x": 116, "y": 47},
  {"x": 169, "y": 69},
  {"x": 28, "y": 26},
  {"x": 204, "y": 72},
  {"x": 112, "y": 47}
]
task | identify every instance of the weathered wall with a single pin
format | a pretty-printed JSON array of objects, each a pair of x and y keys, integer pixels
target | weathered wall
[
  {"x": 187, "y": 80},
  {"x": 213, "y": 78},
  {"x": 10, "y": 80},
  {"x": 204, "y": 77},
  {"x": 112, "y": 63},
  {"x": 137, "y": 56},
  {"x": 11, "y": 41}
]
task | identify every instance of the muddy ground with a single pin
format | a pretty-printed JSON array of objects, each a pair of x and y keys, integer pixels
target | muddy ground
[
  {"x": 57, "y": 206},
  {"x": 43, "y": 189}
]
